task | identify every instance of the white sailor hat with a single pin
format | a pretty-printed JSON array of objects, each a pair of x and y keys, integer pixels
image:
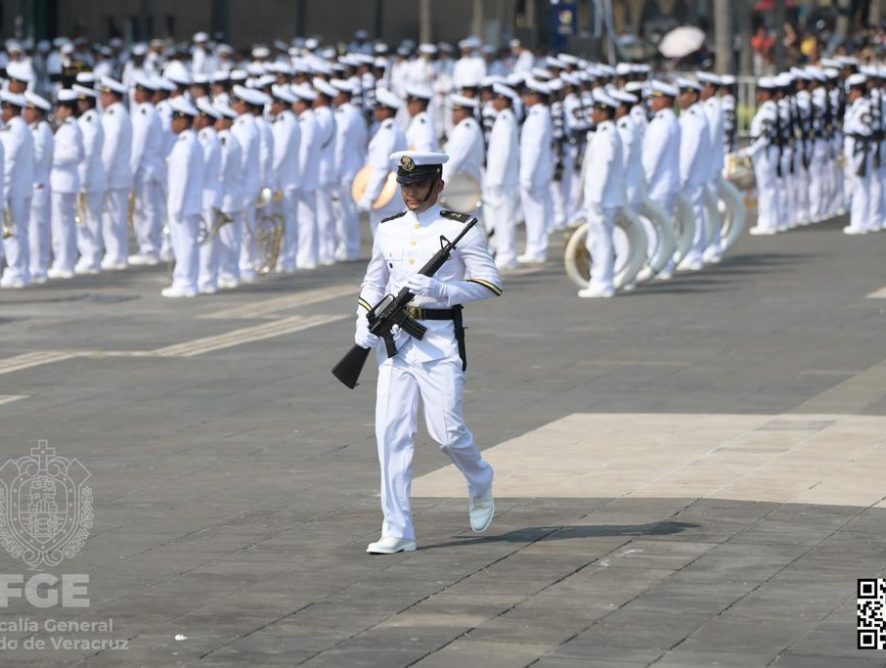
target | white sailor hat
[
  {"x": 605, "y": 70},
  {"x": 226, "y": 111},
  {"x": 418, "y": 92},
  {"x": 85, "y": 78},
  {"x": 727, "y": 80},
  {"x": 386, "y": 98},
  {"x": 488, "y": 81},
  {"x": 569, "y": 79},
  {"x": 766, "y": 83},
  {"x": 162, "y": 83},
  {"x": 469, "y": 43},
  {"x": 847, "y": 61},
  {"x": 200, "y": 80},
  {"x": 109, "y": 85},
  {"x": 380, "y": 63},
  {"x": 177, "y": 76},
  {"x": 312, "y": 43},
  {"x": 264, "y": 81},
  {"x": 687, "y": 84},
  {"x": 37, "y": 102},
  {"x": 238, "y": 75},
  {"x": 418, "y": 166},
  {"x": 832, "y": 73},
  {"x": 568, "y": 59},
  {"x": 462, "y": 101},
  {"x": 249, "y": 96},
  {"x": 470, "y": 81},
  {"x": 541, "y": 73},
  {"x": 856, "y": 81},
  {"x": 707, "y": 78},
  {"x": 635, "y": 87},
  {"x": 205, "y": 108},
  {"x": 14, "y": 99},
  {"x": 555, "y": 84},
  {"x": 658, "y": 87},
  {"x": 220, "y": 76},
  {"x": 180, "y": 105},
  {"x": 304, "y": 92},
  {"x": 555, "y": 62},
  {"x": 343, "y": 85},
  {"x": 19, "y": 71},
  {"x": 83, "y": 92},
  {"x": 139, "y": 49},
  {"x": 514, "y": 79},
  {"x": 501, "y": 90},
  {"x": 144, "y": 81},
  {"x": 67, "y": 48},
  {"x": 427, "y": 48},
  {"x": 784, "y": 80},
  {"x": 67, "y": 95},
  {"x": 260, "y": 51},
  {"x": 283, "y": 94},
  {"x": 603, "y": 99},
  {"x": 868, "y": 70},
  {"x": 200, "y": 37},
  {"x": 624, "y": 97},
  {"x": 642, "y": 68},
  {"x": 324, "y": 88},
  {"x": 622, "y": 69},
  {"x": 224, "y": 49},
  {"x": 537, "y": 87}
]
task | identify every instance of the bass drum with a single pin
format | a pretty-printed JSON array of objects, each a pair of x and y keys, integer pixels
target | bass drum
[
  {"x": 629, "y": 240},
  {"x": 735, "y": 215},
  {"x": 361, "y": 182},
  {"x": 462, "y": 193},
  {"x": 684, "y": 223},
  {"x": 714, "y": 223}
]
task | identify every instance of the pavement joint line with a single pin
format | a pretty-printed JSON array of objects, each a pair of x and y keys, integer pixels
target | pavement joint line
[
  {"x": 32, "y": 359},
  {"x": 9, "y": 398},
  {"x": 245, "y": 335},
  {"x": 878, "y": 294},
  {"x": 268, "y": 307}
]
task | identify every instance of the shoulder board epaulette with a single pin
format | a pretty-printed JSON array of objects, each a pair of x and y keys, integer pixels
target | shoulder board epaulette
[
  {"x": 396, "y": 215},
  {"x": 455, "y": 215},
  {"x": 144, "y": 111}
]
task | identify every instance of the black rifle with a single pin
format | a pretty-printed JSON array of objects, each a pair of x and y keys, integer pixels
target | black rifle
[{"x": 391, "y": 311}]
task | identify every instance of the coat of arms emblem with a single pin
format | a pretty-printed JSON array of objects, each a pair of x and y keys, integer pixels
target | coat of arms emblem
[{"x": 45, "y": 507}]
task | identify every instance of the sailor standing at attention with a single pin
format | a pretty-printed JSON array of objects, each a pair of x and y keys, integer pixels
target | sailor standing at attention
[{"x": 433, "y": 368}]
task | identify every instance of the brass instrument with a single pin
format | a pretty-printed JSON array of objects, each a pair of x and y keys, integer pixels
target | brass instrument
[
  {"x": 629, "y": 237},
  {"x": 361, "y": 182},
  {"x": 209, "y": 229},
  {"x": 82, "y": 210},
  {"x": 740, "y": 171},
  {"x": 132, "y": 210},
  {"x": 462, "y": 193},
  {"x": 269, "y": 231}
]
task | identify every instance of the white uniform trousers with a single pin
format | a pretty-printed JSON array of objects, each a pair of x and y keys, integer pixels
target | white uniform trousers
[
  {"x": 537, "y": 211},
  {"x": 817, "y": 181},
  {"x": 39, "y": 232},
  {"x": 307, "y": 254},
  {"x": 347, "y": 224},
  {"x": 801, "y": 188},
  {"x": 64, "y": 230},
  {"x": 767, "y": 197},
  {"x": 878, "y": 191},
  {"x": 115, "y": 227},
  {"x": 713, "y": 234},
  {"x": 288, "y": 208},
  {"x": 248, "y": 249},
  {"x": 696, "y": 197},
  {"x": 230, "y": 240},
  {"x": 499, "y": 214},
  {"x": 601, "y": 224},
  {"x": 17, "y": 247},
  {"x": 860, "y": 207},
  {"x": 439, "y": 385},
  {"x": 185, "y": 249},
  {"x": 149, "y": 215},
  {"x": 325, "y": 224},
  {"x": 209, "y": 251},
  {"x": 89, "y": 231},
  {"x": 560, "y": 194}
]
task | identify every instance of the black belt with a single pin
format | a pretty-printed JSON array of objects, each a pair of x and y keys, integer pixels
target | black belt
[{"x": 454, "y": 314}]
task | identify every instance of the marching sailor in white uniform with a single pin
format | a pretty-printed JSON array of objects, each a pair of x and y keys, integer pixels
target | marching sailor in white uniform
[
  {"x": 64, "y": 181},
  {"x": 40, "y": 215},
  {"x": 431, "y": 369}
]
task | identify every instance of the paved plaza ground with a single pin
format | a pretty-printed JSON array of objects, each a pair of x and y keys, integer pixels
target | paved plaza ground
[{"x": 692, "y": 474}]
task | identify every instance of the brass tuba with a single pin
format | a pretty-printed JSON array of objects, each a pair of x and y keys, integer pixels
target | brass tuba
[
  {"x": 269, "y": 231},
  {"x": 8, "y": 223},
  {"x": 209, "y": 229}
]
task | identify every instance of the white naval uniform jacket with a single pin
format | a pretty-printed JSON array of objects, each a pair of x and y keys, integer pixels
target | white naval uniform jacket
[
  {"x": 857, "y": 132},
  {"x": 661, "y": 155},
  {"x": 43, "y": 150},
  {"x": 212, "y": 192},
  {"x": 465, "y": 150},
  {"x": 308, "y": 151},
  {"x": 185, "y": 188},
  {"x": 402, "y": 245},
  {"x": 420, "y": 135},
  {"x": 67, "y": 155},
  {"x": 117, "y": 147},
  {"x": 695, "y": 147},
  {"x": 713, "y": 112},
  {"x": 230, "y": 172},
  {"x": 388, "y": 139},
  {"x": 503, "y": 155},
  {"x": 287, "y": 141},
  {"x": 631, "y": 151},
  {"x": 92, "y": 171},
  {"x": 604, "y": 184},
  {"x": 536, "y": 151},
  {"x": 265, "y": 152},
  {"x": 148, "y": 158},
  {"x": 18, "y": 164}
]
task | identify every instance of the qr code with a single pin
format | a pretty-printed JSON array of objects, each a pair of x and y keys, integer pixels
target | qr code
[{"x": 871, "y": 620}]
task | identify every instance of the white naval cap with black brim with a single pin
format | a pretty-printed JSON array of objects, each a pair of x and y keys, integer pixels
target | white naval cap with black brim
[{"x": 418, "y": 166}]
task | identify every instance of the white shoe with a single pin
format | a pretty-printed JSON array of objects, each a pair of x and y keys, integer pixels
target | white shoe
[
  {"x": 327, "y": 263},
  {"x": 529, "y": 259},
  {"x": 38, "y": 279},
  {"x": 853, "y": 230},
  {"x": 86, "y": 270},
  {"x": 758, "y": 231},
  {"x": 113, "y": 266},
  {"x": 310, "y": 266},
  {"x": 629, "y": 287},
  {"x": 596, "y": 293},
  {"x": 174, "y": 291},
  {"x": 690, "y": 265},
  {"x": 208, "y": 290},
  {"x": 507, "y": 266},
  {"x": 59, "y": 273},
  {"x": 711, "y": 258},
  {"x": 228, "y": 283},
  {"x": 391, "y": 545},
  {"x": 9, "y": 282},
  {"x": 481, "y": 510},
  {"x": 143, "y": 261},
  {"x": 247, "y": 276}
]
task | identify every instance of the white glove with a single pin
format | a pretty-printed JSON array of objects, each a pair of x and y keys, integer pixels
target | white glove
[
  {"x": 426, "y": 286},
  {"x": 363, "y": 337},
  {"x": 364, "y": 207}
]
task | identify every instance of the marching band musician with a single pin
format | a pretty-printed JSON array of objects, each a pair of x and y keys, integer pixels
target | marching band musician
[
  {"x": 92, "y": 184},
  {"x": 433, "y": 368},
  {"x": 388, "y": 139},
  {"x": 465, "y": 145},
  {"x": 184, "y": 202},
  {"x": 327, "y": 178},
  {"x": 502, "y": 181},
  {"x": 763, "y": 150},
  {"x": 695, "y": 148},
  {"x": 64, "y": 181},
  {"x": 287, "y": 139},
  {"x": 858, "y": 135},
  {"x": 231, "y": 269},
  {"x": 421, "y": 134},
  {"x": 116, "y": 152},
  {"x": 307, "y": 256},
  {"x": 148, "y": 165},
  {"x": 231, "y": 178},
  {"x": 39, "y": 226},
  {"x": 536, "y": 170},
  {"x": 350, "y": 154},
  {"x": 603, "y": 195},
  {"x": 204, "y": 125},
  {"x": 18, "y": 187}
]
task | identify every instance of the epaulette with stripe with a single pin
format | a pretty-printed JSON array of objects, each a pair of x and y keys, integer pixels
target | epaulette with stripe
[
  {"x": 396, "y": 215},
  {"x": 455, "y": 215}
]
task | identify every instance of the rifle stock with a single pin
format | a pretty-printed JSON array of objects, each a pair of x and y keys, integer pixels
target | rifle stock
[{"x": 350, "y": 366}]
